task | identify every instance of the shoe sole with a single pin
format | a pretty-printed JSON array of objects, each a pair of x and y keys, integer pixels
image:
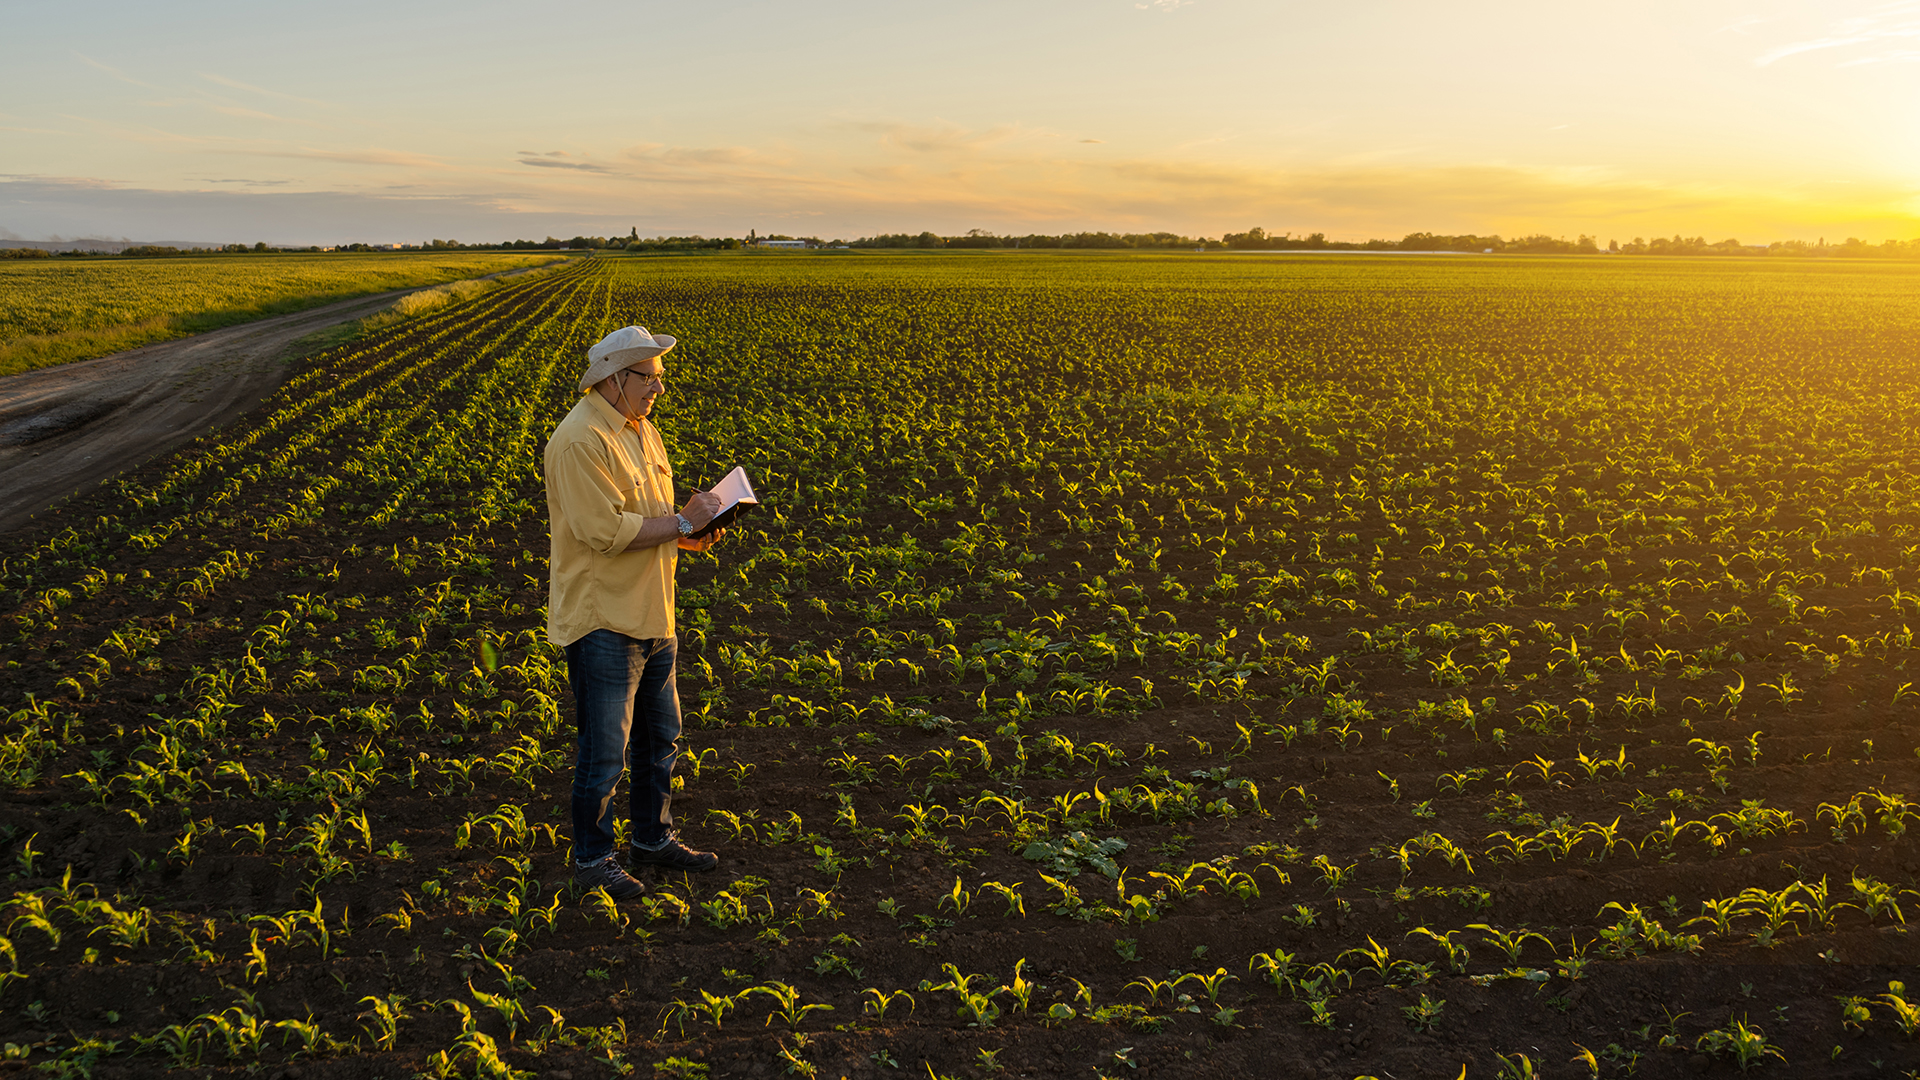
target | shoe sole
[
  {"x": 580, "y": 890},
  {"x": 639, "y": 864}
]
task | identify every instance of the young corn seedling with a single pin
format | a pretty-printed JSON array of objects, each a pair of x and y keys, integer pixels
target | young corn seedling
[
  {"x": 1021, "y": 988},
  {"x": 1276, "y": 967},
  {"x": 1747, "y": 1043},
  {"x": 712, "y": 1007},
  {"x": 1906, "y": 1013},
  {"x": 1876, "y": 898},
  {"x": 1154, "y": 988},
  {"x": 1719, "y": 758},
  {"x": 787, "y": 1005},
  {"x": 978, "y": 1008},
  {"x": 1516, "y": 1066},
  {"x": 1424, "y": 1015},
  {"x": 1016, "y": 905},
  {"x": 1212, "y": 984},
  {"x": 959, "y": 899},
  {"x": 879, "y": 1001},
  {"x": 1510, "y": 942},
  {"x": 1854, "y": 1011},
  {"x": 1333, "y": 874},
  {"x": 1456, "y": 953},
  {"x": 382, "y": 1019}
]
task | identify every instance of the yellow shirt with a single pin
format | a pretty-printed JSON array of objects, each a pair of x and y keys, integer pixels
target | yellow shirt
[{"x": 604, "y": 476}]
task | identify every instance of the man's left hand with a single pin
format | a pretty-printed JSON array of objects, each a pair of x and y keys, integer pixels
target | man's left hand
[{"x": 705, "y": 542}]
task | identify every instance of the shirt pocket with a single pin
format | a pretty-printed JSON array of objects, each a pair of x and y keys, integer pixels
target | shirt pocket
[{"x": 656, "y": 487}]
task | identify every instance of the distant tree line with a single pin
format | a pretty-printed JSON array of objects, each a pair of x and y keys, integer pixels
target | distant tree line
[
  {"x": 980, "y": 238},
  {"x": 151, "y": 250},
  {"x": 1255, "y": 239},
  {"x": 1258, "y": 239}
]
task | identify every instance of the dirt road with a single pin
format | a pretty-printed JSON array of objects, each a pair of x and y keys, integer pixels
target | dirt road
[{"x": 64, "y": 429}]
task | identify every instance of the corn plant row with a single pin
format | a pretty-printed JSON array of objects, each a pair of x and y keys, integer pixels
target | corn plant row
[{"x": 1137, "y": 662}]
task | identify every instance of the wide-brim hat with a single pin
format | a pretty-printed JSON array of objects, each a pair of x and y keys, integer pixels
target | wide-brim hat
[{"x": 621, "y": 349}]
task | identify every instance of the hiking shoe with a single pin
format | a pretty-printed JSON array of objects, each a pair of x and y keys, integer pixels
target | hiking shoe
[
  {"x": 673, "y": 855},
  {"x": 608, "y": 874}
]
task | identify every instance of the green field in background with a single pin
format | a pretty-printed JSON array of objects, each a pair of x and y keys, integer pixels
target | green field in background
[{"x": 59, "y": 310}]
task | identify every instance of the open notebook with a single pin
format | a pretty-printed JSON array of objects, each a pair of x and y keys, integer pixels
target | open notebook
[{"x": 736, "y": 498}]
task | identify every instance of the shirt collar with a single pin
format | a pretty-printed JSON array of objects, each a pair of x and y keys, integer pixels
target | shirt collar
[{"x": 607, "y": 414}]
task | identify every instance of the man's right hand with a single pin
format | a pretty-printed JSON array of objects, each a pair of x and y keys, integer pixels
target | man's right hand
[{"x": 701, "y": 508}]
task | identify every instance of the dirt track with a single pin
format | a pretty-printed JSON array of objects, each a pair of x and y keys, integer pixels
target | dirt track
[{"x": 64, "y": 429}]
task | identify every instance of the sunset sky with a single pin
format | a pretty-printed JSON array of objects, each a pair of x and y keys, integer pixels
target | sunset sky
[{"x": 328, "y": 123}]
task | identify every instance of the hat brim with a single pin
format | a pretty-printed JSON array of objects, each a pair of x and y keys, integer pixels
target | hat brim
[{"x": 620, "y": 359}]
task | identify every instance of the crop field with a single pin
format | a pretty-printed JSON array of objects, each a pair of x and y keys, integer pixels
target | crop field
[
  {"x": 1142, "y": 665},
  {"x": 59, "y": 310}
]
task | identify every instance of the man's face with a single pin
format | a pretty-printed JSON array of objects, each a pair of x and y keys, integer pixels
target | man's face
[{"x": 639, "y": 385}]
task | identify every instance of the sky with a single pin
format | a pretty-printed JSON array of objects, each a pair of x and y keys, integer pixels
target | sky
[{"x": 309, "y": 123}]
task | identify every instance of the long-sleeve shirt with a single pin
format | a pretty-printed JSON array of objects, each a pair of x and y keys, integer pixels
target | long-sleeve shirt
[{"x": 604, "y": 477}]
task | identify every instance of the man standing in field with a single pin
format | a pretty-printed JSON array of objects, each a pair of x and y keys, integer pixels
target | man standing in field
[{"x": 615, "y": 540}]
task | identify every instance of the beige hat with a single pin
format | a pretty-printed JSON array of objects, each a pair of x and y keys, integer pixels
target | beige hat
[{"x": 621, "y": 349}]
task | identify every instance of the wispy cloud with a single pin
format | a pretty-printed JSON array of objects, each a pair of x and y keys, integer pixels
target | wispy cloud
[
  {"x": 581, "y": 166},
  {"x": 367, "y": 156},
  {"x": 141, "y": 133},
  {"x": 250, "y": 147},
  {"x": 244, "y": 114},
  {"x": 88, "y": 206},
  {"x": 57, "y": 181},
  {"x": 113, "y": 71},
  {"x": 559, "y": 159},
  {"x": 1896, "y": 56},
  {"x": 236, "y": 84},
  {"x": 1889, "y": 22},
  {"x": 940, "y": 137},
  {"x": 720, "y": 168},
  {"x": 1744, "y": 25}
]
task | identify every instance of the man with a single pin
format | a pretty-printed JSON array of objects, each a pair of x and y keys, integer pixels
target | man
[{"x": 615, "y": 539}]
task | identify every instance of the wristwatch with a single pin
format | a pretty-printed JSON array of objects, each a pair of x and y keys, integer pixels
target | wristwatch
[{"x": 686, "y": 527}]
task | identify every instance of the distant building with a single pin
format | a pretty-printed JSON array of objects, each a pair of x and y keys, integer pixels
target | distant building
[{"x": 780, "y": 243}]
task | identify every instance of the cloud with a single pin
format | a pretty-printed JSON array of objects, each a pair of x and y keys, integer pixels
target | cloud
[
  {"x": 89, "y": 206},
  {"x": 236, "y": 84},
  {"x": 367, "y": 156},
  {"x": 1093, "y": 140},
  {"x": 246, "y": 114},
  {"x": 59, "y": 182},
  {"x": 914, "y": 176},
  {"x": 547, "y": 161},
  {"x": 1888, "y": 22},
  {"x": 113, "y": 71},
  {"x": 582, "y": 166},
  {"x": 1744, "y": 24},
  {"x": 1896, "y": 56},
  {"x": 939, "y": 137}
]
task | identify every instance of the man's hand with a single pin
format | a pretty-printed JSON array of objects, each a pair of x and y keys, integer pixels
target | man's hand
[
  {"x": 701, "y": 508},
  {"x": 702, "y": 544}
]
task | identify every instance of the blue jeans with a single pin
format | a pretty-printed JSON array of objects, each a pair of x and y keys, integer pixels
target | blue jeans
[{"x": 626, "y": 704}]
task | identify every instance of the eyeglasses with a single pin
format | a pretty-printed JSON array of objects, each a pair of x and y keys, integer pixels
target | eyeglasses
[{"x": 647, "y": 376}]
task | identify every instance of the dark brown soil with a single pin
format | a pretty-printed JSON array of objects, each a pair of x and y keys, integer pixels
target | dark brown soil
[{"x": 852, "y": 903}]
